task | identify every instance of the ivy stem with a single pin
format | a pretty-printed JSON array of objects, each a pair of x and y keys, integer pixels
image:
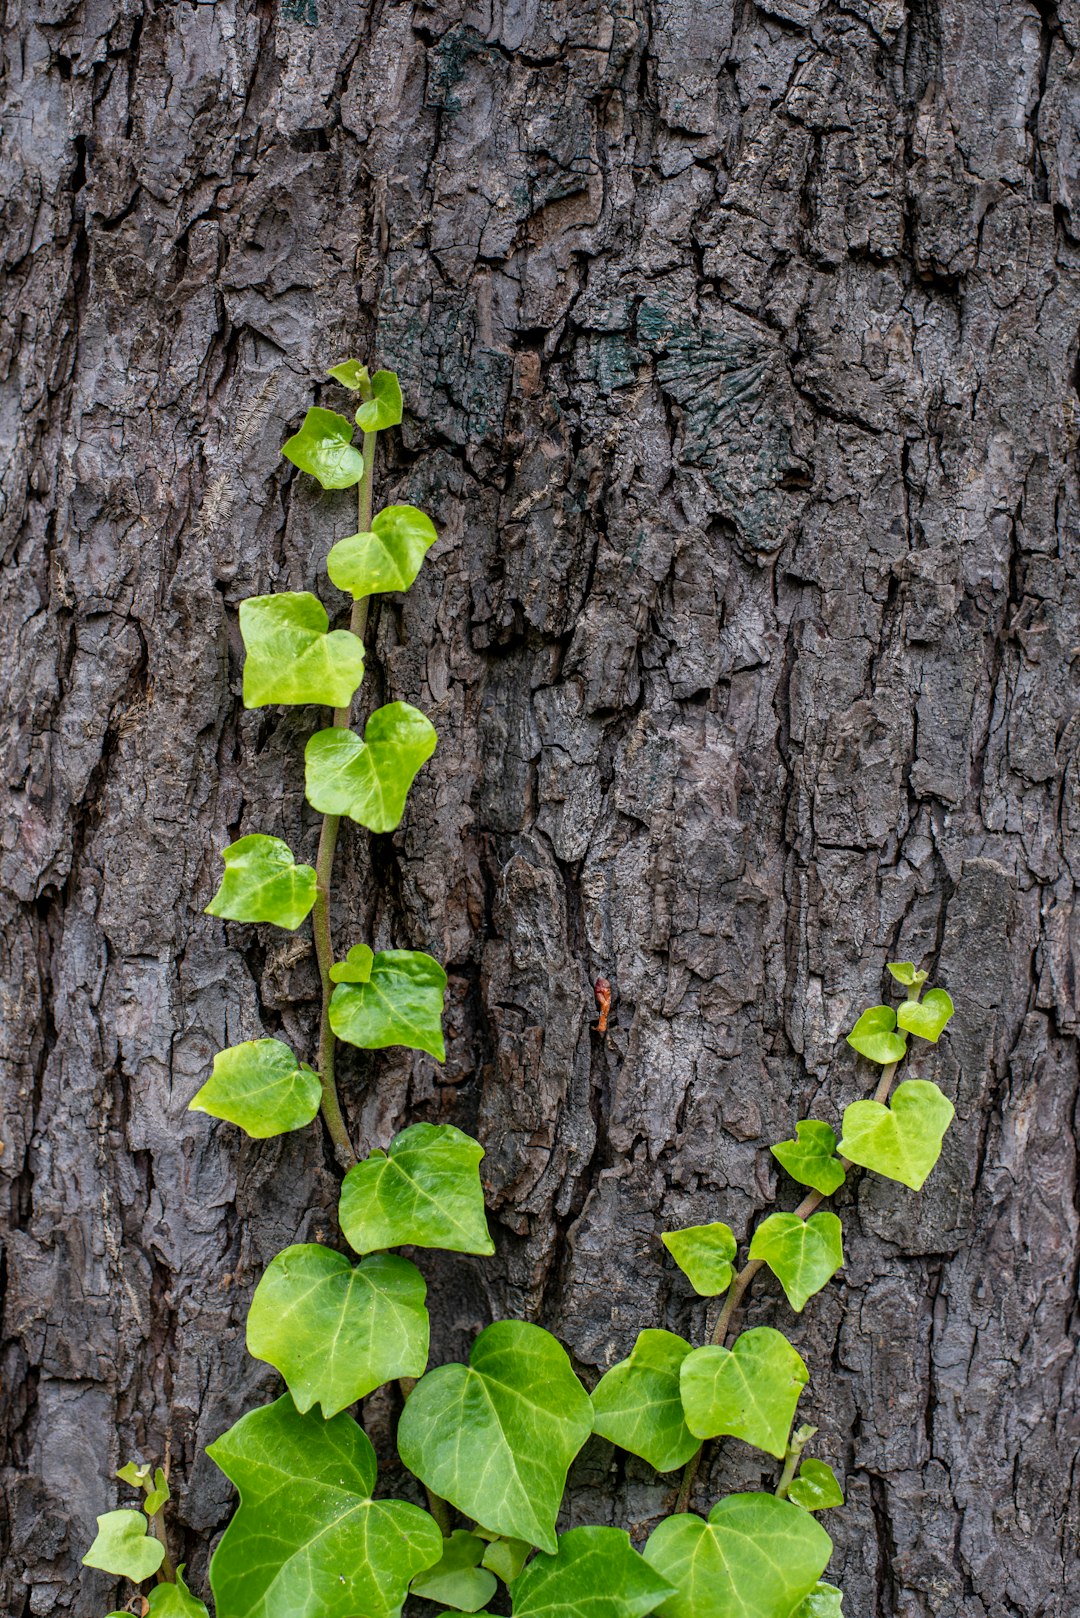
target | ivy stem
[
  {"x": 791, "y": 1461},
  {"x": 166, "y": 1572}
]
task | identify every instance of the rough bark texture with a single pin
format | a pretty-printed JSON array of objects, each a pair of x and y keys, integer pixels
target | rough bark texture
[{"x": 739, "y": 344}]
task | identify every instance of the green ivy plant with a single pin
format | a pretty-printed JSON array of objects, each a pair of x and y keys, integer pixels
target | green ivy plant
[{"x": 489, "y": 1442}]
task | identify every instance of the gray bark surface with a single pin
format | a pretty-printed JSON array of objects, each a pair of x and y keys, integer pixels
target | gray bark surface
[{"x": 739, "y": 346}]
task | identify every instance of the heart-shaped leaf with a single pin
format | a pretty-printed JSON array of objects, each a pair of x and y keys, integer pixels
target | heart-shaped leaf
[
  {"x": 458, "y": 1580},
  {"x": 400, "y": 1002},
  {"x": 496, "y": 1437},
  {"x": 704, "y": 1254},
  {"x": 873, "y": 1036},
  {"x": 290, "y": 656},
  {"x": 816, "y": 1488},
  {"x": 307, "y": 1539},
  {"x": 505, "y": 1557},
  {"x": 351, "y": 374},
  {"x": 425, "y": 1192},
  {"x": 926, "y": 1017},
  {"x": 260, "y": 1086},
  {"x": 803, "y": 1254},
  {"x": 171, "y": 1601},
  {"x": 263, "y": 882},
  {"x": 324, "y": 447},
  {"x": 383, "y": 409},
  {"x": 811, "y": 1157},
  {"x": 748, "y": 1391},
  {"x": 756, "y": 1557},
  {"x": 904, "y": 972},
  {"x": 594, "y": 1573},
  {"x": 638, "y": 1405},
  {"x": 337, "y": 1331},
  {"x": 388, "y": 558},
  {"x": 824, "y": 1601},
  {"x": 159, "y": 1495},
  {"x": 124, "y": 1547},
  {"x": 369, "y": 780},
  {"x": 903, "y": 1140}
]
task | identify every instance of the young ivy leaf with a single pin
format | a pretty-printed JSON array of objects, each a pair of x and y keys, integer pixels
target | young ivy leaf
[
  {"x": 756, "y": 1557},
  {"x": 903, "y": 1140},
  {"x": 926, "y": 1017},
  {"x": 873, "y": 1036},
  {"x": 638, "y": 1405},
  {"x": 383, "y": 409},
  {"x": 337, "y": 1331},
  {"x": 324, "y": 447},
  {"x": 816, "y": 1488},
  {"x": 748, "y": 1391},
  {"x": 811, "y": 1157},
  {"x": 369, "y": 780},
  {"x": 704, "y": 1254},
  {"x": 904, "y": 972},
  {"x": 505, "y": 1557},
  {"x": 425, "y": 1192},
  {"x": 496, "y": 1437},
  {"x": 388, "y": 558},
  {"x": 803, "y": 1254},
  {"x": 307, "y": 1538},
  {"x": 824, "y": 1601},
  {"x": 260, "y": 1086},
  {"x": 458, "y": 1580},
  {"x": 399, "y": 1002},
  {"x": 291, "y": 657},
  {"x": 351, "y": 374},
  {"x": 159, "y": 1495},
  {"x": 171, "y": 1601},
  {"x": 263, "y": 882},
  {"x": 124, "y": 1547},
  {"x": 594, "y": 1573}
]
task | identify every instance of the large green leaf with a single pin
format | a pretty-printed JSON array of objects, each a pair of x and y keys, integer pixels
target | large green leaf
[
  {"x": 926, "y": 1017},
  {"x": 811, "y": 1157},
  {"x": 393, "y": 998},
  {"x": 260, "y": 1086},
  {"x": 748, "y": 1391},
  {"x": 263, "y": 882},
  {"x": 383, "y": 409},
  {"x": 815, "y": 1488},
  {"x": 425, "y": 1192},
  {"x": 704, "y": 1254},
  {"x": 756, "y": 1557},
  {"x": 638, "y": 1405},
  {"x": 369, "y": 780},
  {"x": 824, "y": 1601},
  {"x": 594, "y": 1573},
  {"x": 874, "y": 1036},
  {"x": 290, "y": 656},
  {"x": 388, "y": 558},
  {"x": 337, "y": 1331},
  {"x": 307, "y": 1539},
  {"x": 803, "y": 1254},
  {"x": 171, "y": 1601},
  {"x": 901, "y": 1141},
  {"x": 458, "y": 1580},
  {"x": 124, "y": 1547},
  {"x": 496, "y": 1437},
  {"x": 324, "y": 447}
]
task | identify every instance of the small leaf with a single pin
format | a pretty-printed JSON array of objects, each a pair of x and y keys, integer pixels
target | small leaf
[
  {"x": 506, "y": 1557},
  {"x": 369, "y": 780},
  {"x": 124, "y": 1547},
  {"x": 458, "y": 1580},
  {"x": 496, "y": 1437},
  {"x": 748, "y": 1391},
  {"x": 425, "y": 1192},
  {"x": 291, "y": 658},
  {"x": 351, "y": 374},
  {"x": 159, "y": 1495},
  {"x": 904, "y": 972},
  {"x": 134, "y": 1474},
  {"x": 824, "y": 1601},
  {"x": 926, "y": 1017},
  {"x": 324, "y": 447},
  {"x": 803, "y": 1254},
  {"x": 263, "y": 882},
  {"x": 704, "y": 1254},
  {"x": 816, "y": 1488},
  {"x": 334, "y": 1331},
  {"x": 594, "y": 1573},
  {"x": 400, "y": 1003},
  {"x": 638, "y": 1405},
  {"x": 174, "y": 1601},
  {"x": 901, "y": 1141},
  {"x": 810, "y": 1158},
  {"x": 383, "y": 409},
  {"x": 307, "y": 1539},
  {"x": 756, "y": 1557},
  {"x": 873, "y": 1036},
  {"x": 260, "y": 1086},
  {"x": 388, "y": 558},
  {"x": 356, "y": 967}
]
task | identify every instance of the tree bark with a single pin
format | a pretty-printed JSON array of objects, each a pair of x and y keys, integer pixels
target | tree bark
[{"x": 739, "y": 348}]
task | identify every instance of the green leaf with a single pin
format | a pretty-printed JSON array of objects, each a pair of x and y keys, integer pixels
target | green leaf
[
  {"x": 134, "y": 1474},
  {"x": 824, "y": 1601},
  {"x": 638, "y": 1405},
  {"x": 873, "y": 1036},
  {"x": 704, "y": 1254},
  {"x": 505, "y": 1557},
  {"x": 399, "y": 1003},
  {"x": 307, "y": 1539},
  {"x": 356, "y": 967},
  {"x": 458, "y": 1580},
  {"x": 369, "y": 780},
  {"x": 816, "y": 1488},
  {"x": 290, "y": 656},
  {"x": 803, "y": 1254},
  {"x": 324, "y": 447},
  {"x": 383, "y": 409},
  {"x": 926, "y": 1017},
  {"x": 425, "y": 1192},
  {"x": 748, "y": 1391},
  {"x": 174, "y": 1600},
  {"x": 334, "y": 1331},
  {"x": 904, "y": 972},
  {"x": 260, "y": 1086},
  {"x": 159, "y": 1495},
  {"x": 263, "y": 882},
  {"x": 594, "y": 1573},
  {"x": 756, "y": 1557},
  {"x": 901, "y": 1141},
  {"x": 124, "y": 1547},
  {"x": 496, "y": 1437},
  {"x": 388, "y": 558},
  {"x": 351, "y": 374},
  {"x": 810, "y": 1158}
]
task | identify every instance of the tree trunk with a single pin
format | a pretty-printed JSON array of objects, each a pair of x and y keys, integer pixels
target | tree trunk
[{"x": 738, "y": 344}]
